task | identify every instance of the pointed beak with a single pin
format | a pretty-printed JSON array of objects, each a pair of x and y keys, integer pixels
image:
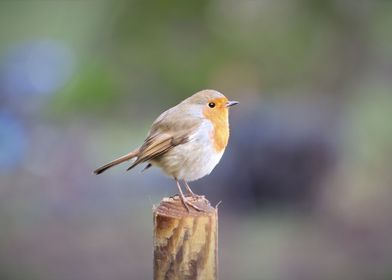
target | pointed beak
[{"x": 231, "y": 103}]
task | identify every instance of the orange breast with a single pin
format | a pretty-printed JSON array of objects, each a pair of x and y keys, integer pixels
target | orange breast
[{"x": 220, "y": 121}]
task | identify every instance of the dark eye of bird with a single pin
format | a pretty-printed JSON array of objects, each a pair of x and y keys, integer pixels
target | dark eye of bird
[{"x": 211, "y": 104}]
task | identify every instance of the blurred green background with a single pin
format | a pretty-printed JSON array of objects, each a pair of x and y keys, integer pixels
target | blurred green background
[{"x": 306, "y": 180}]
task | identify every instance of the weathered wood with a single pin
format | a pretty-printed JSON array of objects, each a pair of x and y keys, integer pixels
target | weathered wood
[{"x": 185, "y": 243}]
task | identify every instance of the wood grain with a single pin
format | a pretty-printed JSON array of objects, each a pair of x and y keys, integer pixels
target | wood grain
[{"x": 185, "y": 243}]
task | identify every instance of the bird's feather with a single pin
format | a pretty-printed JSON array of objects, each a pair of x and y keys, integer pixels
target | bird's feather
[{"x": 165, "y": 134}]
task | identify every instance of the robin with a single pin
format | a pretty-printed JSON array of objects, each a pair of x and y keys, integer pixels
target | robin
[{"x": 187, "y": 141}]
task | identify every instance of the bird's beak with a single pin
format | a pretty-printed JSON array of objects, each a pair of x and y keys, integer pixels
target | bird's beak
[{"x": 231, "y": 103}]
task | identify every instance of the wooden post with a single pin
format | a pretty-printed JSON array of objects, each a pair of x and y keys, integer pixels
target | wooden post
[{"x": 185, "y": 243}]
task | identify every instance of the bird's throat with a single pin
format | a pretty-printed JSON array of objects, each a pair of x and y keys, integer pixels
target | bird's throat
[{"x": 220, "y": 133}]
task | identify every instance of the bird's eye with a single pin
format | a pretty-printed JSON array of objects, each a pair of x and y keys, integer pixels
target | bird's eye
[{"x": 211, "y": 104}]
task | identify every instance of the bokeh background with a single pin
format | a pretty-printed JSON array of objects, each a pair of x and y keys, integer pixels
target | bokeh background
[{"x": 305, "y": 183}]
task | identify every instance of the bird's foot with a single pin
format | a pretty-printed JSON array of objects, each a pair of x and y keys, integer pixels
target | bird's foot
[
  {"x": 187, "y": 203},
  {"x": 194, "y": 206}
]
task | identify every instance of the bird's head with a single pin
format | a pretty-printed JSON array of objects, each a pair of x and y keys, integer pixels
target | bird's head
[{"x": 214, "y": 104}]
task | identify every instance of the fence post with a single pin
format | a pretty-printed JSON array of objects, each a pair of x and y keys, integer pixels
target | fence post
[{"x": 185, "y": 243}]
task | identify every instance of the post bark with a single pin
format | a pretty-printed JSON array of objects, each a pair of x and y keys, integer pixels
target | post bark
[{"x": 185, "y": 243}]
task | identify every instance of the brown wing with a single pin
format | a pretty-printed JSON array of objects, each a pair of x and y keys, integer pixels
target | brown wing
[
  {"x": 166, "y": 133},
  {"x": 156, "y": 146}
]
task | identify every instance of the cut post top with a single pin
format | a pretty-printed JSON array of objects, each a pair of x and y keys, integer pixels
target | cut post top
[{"x": 173, "y": 207}]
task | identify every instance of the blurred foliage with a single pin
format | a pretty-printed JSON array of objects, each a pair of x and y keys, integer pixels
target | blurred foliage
[
  {"x": 93, "y": 90},
  {"x": 305, "y": 182}
]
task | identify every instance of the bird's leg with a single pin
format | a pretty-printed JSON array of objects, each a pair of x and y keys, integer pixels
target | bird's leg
[
  {"x": 190, "y": 191},
  {"x": 184, "y": 199}
]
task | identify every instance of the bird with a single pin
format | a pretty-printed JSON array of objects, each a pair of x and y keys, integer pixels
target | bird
[{"x": 187, "y": 141}]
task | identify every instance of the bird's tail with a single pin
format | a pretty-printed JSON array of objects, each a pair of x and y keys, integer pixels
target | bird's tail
[{"x": 117, "y": 161}]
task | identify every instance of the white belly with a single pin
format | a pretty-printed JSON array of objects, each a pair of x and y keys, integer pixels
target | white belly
[{"x": 192, "y": 160}]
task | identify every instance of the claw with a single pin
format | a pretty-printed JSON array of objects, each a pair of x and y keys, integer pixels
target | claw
[
  {"x": 192, "y": 205},
  {"x": 185, "y": 201},
  {"x": 185, "y": 204}
]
